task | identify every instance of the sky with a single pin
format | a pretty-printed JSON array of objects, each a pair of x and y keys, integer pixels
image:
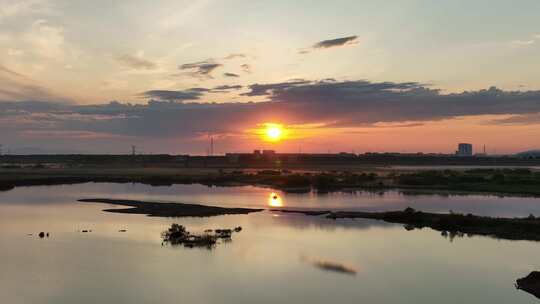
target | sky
[{"x": 354, "y": 76}]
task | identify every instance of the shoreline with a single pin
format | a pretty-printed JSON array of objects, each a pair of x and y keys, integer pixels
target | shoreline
[
  {"x": 449, "y": 224},
  {"x": 497, "y": 182},
  {"x": 526, "y": 229}
]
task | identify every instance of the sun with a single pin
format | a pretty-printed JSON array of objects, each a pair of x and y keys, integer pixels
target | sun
[
  {"x": 274, "y": 200},
  {"x": 273, "y": 132}
]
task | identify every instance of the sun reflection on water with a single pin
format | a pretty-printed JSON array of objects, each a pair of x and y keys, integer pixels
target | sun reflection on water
[{"x": 274, "y": 200}]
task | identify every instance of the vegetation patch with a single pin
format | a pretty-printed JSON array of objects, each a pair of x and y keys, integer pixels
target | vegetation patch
[
  {"x": 527, "y": 228},
  {"x": 177, "y": 235}
]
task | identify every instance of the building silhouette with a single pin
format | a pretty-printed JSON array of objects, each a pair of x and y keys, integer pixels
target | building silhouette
[{"x": 464, "y": 150}]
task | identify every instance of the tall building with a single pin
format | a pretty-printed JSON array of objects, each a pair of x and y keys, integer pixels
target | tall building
[{"x": 464, "y": 150}]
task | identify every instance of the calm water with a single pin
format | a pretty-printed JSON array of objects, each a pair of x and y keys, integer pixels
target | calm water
[{"x": 277, "y": 258}]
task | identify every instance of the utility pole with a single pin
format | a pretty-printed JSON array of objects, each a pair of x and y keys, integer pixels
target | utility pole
[
  {"x": 133, "y": 150},
  {"x": 211, "y": 146}
]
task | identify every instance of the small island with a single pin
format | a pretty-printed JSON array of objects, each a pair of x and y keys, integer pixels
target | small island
[{"x": 178, "y": 235}]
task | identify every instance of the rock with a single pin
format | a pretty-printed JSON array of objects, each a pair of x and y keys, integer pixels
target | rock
[
  {"x": 41, "y": 235},
  {"x": 122, "y": 230}
]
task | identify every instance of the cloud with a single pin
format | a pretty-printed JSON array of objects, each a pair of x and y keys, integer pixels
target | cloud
[
  {"x": 136, "y": 62},
  {"x": 46, "y": 40},
  {"x": 526, "y": 42},
  {"x": 230, "y": 75},
  {"x": 184, "y": 95},
  {"x": 336, "y": 42},
  {"x": 268, "y": 89},
  {"x": 527, "y": 119},
  {"x": 66, "y": 135},
  {"x": 202, "y": 69},
  {"x": 16, "y": 8},
  {"x": 523, "y": 42},
  {"x": 8, "y": 72},
  {"x": 246, "y": 68},
  {"x": 174, "y": 96},
  {"x": 234, "y": 56},
  {"x": 335, "y": 104},
  {"x": 353, "y": 103},
  {"x": 227, "y": 88},
  {"x": 17, "y": 87},
  {"x": 331, "y": 43}
]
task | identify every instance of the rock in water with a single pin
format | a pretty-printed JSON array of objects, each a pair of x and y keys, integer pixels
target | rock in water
[{"x": 530, "y": 283}]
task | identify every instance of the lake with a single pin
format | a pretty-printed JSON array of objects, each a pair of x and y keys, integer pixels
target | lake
[{"x": 276, "y": 258}]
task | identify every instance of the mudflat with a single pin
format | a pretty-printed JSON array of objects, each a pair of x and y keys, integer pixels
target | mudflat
[{"x": 167, "y": 209}]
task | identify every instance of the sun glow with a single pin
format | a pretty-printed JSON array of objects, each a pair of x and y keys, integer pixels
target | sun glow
[
  {"x": 273, "y": 132},
  {"x": 274, "y": 200}
]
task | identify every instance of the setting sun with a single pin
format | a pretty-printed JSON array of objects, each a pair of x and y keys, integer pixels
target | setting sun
[
  {"x": 274, "y": 200},
  {"x": 273, "y": 132}
]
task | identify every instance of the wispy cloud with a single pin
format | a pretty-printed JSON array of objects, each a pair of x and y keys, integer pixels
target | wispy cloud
[
  {"x": 15, "y": 8},
  {"x": 226, "y": 88},
  {"x": 181, "y": 95},
  {"x": 136, "y": 62},
  {"x": 235, "y": 56},
  {"x": 246, "y": 68},
  {"x": 526, "y": 42},
  {"x": 202, "y": 69},
  {"x": 331, "y": 43},
  {"x": 230, "y": 75},
  {"x": 336, "y": 42},
  {"x": 526, "y": 119},
  {"x": 17, "y": 87},
  {"x": 523, "y": 42}
]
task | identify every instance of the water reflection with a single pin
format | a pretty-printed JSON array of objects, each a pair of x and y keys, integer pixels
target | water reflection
[
  {"x": 393, "y": 265},
  {"x": 331, "y": 266},
  {"x": 255, "y": 197},
  {"x": 305, "y": 222},
  {"x": 274, "y": 200}
]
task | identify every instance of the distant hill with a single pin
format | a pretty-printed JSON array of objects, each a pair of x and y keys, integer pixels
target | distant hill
[
  {"x": 37, "y": 151},
  {"x": 530, "y": 153}
]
